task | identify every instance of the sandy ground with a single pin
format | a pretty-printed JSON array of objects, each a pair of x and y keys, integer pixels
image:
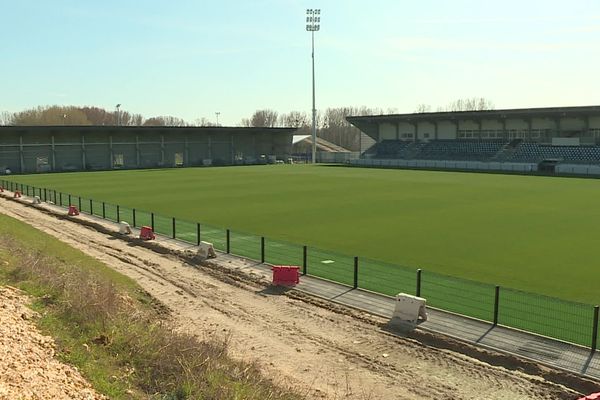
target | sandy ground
[
  {"x": 322, "y": 352},
  {"x": 28, "y": 369}
]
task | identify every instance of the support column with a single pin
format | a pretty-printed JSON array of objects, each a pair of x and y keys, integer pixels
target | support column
[
  {"x": 479, "y": 129},
  {"x": 186, "y": 152},
  {"x": 435, "y": 130},
  {"x": 21, "y": 155},
  {"x": 83, "y": 152},
  {"x": 162, "y": 150},
  {"x": 111, "y": 162},
  {"x": 137, "y": 151},
  {"x": 503, "y": 120},
  {"x": 529, "y": 123},
  {"x": 209, "y": 147},
  {"x": 456, "y": 128},
  {"x": 53, "y": 152},
  {"x": 231, "y": 149},
  {"x": 558, "y": 127},
  {"x": 416, "y": 131},
  {"x": 397, "y": 130}
]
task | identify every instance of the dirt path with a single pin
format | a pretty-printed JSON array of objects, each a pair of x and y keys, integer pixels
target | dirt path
[{"x": 323, "y": 353}]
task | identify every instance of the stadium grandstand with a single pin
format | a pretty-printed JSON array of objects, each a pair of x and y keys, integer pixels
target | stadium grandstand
[
  {"x": 28, "y": 149},
  {"x": 562, "y": 140}
]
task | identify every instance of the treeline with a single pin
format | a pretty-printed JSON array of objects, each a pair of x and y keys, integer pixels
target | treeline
[
  {"x": 71, "y": 115},
  {"x": 331, "y": 123}
]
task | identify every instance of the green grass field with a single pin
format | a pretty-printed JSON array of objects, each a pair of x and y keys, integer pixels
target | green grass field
[{"x": 535, "y": 234}]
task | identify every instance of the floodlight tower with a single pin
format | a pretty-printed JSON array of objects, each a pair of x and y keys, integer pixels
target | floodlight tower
[
  {"x": 118, "y": 107},
  {"x": 313, "y": 24}
]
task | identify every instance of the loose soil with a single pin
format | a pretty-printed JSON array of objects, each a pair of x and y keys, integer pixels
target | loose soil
[
  {"x": 316, "y": 348},
  {"x": 28, "y": 368}
]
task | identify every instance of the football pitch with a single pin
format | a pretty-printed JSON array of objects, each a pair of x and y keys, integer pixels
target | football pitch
[
  {"x": 532, "y": 236},
  {"x": 531, "y": 233}
]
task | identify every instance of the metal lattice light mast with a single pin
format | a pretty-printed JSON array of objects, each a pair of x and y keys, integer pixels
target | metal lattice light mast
[{"x": 313, "y": 24}]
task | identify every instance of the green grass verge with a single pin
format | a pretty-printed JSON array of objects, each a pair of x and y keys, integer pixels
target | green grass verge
[{"x": 104, "y": 324}]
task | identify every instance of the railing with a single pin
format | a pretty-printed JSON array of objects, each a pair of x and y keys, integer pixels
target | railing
[{"x": 560, "y": 319}]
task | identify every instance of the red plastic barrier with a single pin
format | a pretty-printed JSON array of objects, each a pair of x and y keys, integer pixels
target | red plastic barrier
[
  {"x": 286, "y": 275},
  {"x": 1, "y": 189},
  {"x": 593, "y": 396},
  {"x": 146, "y": 233},
  {"x": 17, "y": 194},
  {"x": 73, "y": 211}
]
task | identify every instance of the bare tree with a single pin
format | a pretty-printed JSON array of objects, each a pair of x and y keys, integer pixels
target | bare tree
[
  {"x": 204, "y": 122},
  {"x": 294, "y": 119},
  {"x": 6, "y": 118},
  {"x": 165, "y": 120},
  {"x": 470, "y": 104},
  {"x": 52, "y": 115},
  {"x": 263, "y": 118},
  {"x": 423, "y": 108}
]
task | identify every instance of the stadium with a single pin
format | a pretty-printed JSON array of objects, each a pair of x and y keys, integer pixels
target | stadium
[
  {"x": 439, "y": 229},
  {"x": 30, "y": 149},
  {"x": 557, "y": 140}
]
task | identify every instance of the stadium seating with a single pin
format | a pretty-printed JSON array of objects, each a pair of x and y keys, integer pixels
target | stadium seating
[
  {"x": 443, "y": 149},
  {"x": 484, "y": 150},
  {"x": 535, "y": 152},
  {"x": 464, "y": 150}
]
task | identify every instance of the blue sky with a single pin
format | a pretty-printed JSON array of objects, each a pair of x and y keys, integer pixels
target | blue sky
[{"x": 193, "y": 58}]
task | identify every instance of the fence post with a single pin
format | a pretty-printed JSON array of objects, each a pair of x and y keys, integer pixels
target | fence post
[
  {"x": 173, "y": 227},
  {"x": 496, "y": 303},
  {"x": 118, "y": 214},
  {"x": 55, "y": 197},
  {"x": 69, "y": 199},
  {"x": 152, "y": 221},
  {"x": 355, "y": 272},
  {"x": 304, "y": 259},
  {"x": 262, "y": 249},
  {"x": 91, "y": 207},
  {"x": 103, "y": 210},
  {"x": 595, "y": 328},
  {"x": 419, "y": 282},
  {"x": 227, "y": 234},
  {"x": 197, "y": 233},
  {"x": 46, "y": 195},
  {"x": 133, "y": 215},
  {"x": 79, "y": 197}
]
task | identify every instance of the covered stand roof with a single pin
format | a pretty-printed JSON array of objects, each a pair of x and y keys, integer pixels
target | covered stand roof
[{"x": 369, "y": 123}]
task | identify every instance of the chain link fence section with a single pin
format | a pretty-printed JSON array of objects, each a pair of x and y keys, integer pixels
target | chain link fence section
[
  {"x": 385, "y": 278},
  {"x": 548, "y": 316},
  {"x": 457, "y": 295}
]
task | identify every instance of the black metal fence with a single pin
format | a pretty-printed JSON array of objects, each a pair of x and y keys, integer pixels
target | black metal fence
[{"x": 560, "y": 319}]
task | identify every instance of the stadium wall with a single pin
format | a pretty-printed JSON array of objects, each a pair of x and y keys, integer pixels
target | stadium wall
[
  {"x": 534, "y": 124},
  {"x": 76, "y": 148}
]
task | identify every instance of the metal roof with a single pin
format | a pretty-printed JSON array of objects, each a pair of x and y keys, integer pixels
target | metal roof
[
  {"x": 504, "y": 113},
  {"x": 144, "y": 129}
]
